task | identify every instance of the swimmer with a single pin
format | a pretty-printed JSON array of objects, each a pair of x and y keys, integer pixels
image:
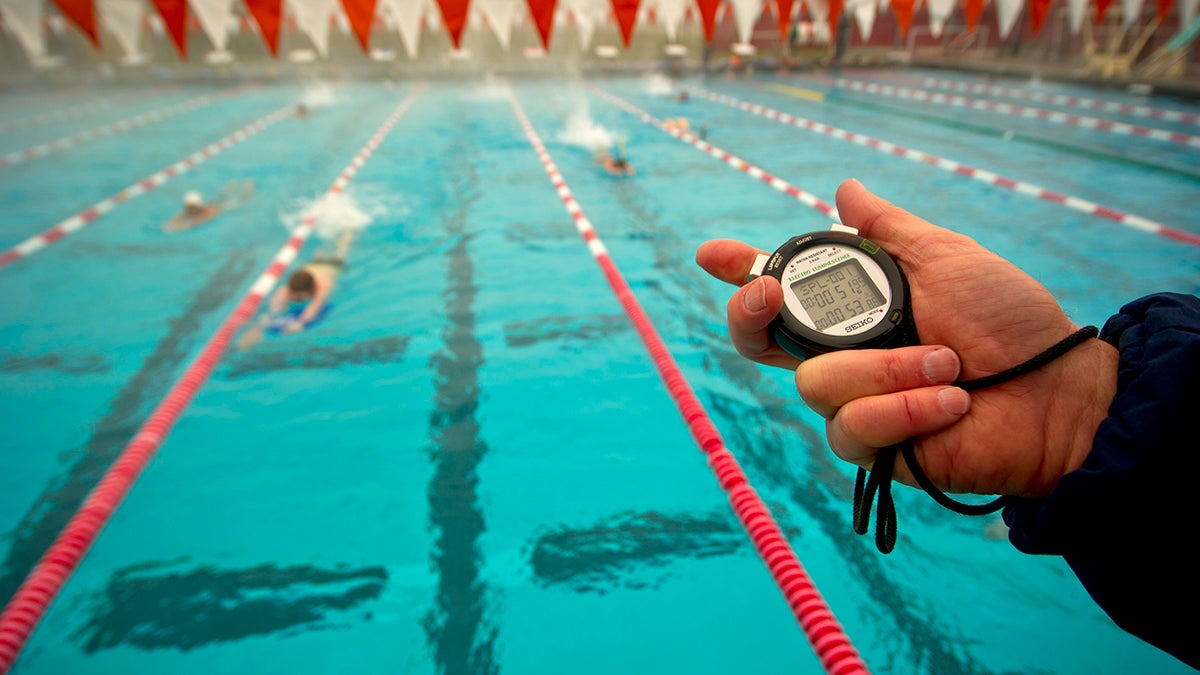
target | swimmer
[
  {"x": 677, "y": 124},
  {"x": 304, "y": 296},
  {"x": 615, "y": 165},
  {"x": 196, "y": 212},
  {"x": 682, "y": 96},
  {"x": 301, "y": 110}
]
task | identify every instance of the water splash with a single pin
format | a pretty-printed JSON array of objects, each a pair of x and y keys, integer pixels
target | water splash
[
  {"x": 658, "y": 84},
  {"x": 317, "y": 95},
  {"x": 582, "y": 131}
]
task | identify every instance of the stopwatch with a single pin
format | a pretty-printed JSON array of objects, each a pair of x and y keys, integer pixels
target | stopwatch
[{"x": 840, "y": 291}]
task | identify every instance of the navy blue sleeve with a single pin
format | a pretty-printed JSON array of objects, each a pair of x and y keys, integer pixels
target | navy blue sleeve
[{"x": 1126, "y": 520}]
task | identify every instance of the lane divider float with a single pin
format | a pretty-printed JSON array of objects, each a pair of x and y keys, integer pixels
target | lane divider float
[
  {"x": 804, "y": 197},
  {"x": 835, "y": 651},
  {"x": 1065, "y": 100},
  {"x": 27, "y": 606},
  {"x": 90, "y": 214},
  {"x": 1077, "y": 203},
  {"x": 1081, "y": 121},
  {"x": 59, "y": 115},
  {"x": 42, "y": 149},
  {"x": 1028, "y": 94}
]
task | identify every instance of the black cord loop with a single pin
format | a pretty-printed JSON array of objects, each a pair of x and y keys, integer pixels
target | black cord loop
[{"x": 879, "y": 479}]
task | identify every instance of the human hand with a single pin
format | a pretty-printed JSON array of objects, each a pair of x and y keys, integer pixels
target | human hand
[
  {"x": 977, "y": 314},
  {"x": 293, "y": 327}
]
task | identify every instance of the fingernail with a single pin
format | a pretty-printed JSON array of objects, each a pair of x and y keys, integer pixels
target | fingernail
[
  {"x": 755, "y": 296},
  {"x": 940, "y": 366},
  {"x": 954, "y": 401}
]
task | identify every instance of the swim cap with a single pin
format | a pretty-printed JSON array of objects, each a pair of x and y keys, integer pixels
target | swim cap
[{"x": 192, "y": 198}]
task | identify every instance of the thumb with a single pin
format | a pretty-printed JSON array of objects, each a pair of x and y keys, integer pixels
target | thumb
[{"x": 899, "y": 232}]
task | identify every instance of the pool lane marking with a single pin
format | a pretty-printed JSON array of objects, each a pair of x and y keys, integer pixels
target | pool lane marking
[
  {"x": 825, "y": 634},
  {"x": 806, "y": 198},
  {"x": 59, "y": 115},
  {"x": 1063, "y": 100},
  {"x": 42, "y": 149},
  {"x": 798, "y": 92},
  {"x": 90, "y": 214},
  {"x": 1029, "y": 112},
  {"x": 1077, "y": 203},
  {"x": 29, "y": 604}
]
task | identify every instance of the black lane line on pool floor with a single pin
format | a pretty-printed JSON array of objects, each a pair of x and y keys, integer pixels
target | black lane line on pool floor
[
  {"x": 59, "y": 501},
  {"x": 759, "y": 434},
  {"x": 456, "y": 626},
  {"x": 170, "y": 605}
]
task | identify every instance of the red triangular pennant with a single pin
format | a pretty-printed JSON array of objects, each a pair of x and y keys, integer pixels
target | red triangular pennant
[
  {"x": 973, "y": 12},
  {"x": 454, "y": 18},
  {"x": 81, "y": 13},
  {"x": 542, "y": 12},
  {"x": 903, "y": 9},
  {"x": 1164, "y": 8},
  {"x": 626, "y": 13},
  {"x": 835, "y": 13},
  {"x": 267, "y": 15},
  {"x": 361, "y": 14},
  {"x": 174, "y": 16},
  {"x": 708, "y": 16},
  {"x": 1038, "y": 10},
  {"x": 783, "y": 17},
  {"x": 1101, "y": 8}
]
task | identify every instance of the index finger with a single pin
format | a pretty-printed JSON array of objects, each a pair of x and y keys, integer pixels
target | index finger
[{"x": 727, "y": 259}]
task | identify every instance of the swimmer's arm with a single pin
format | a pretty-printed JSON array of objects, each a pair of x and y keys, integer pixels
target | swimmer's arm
[
  {"x": 313, "y": 308},
  {"x": 278, "y": 301}
]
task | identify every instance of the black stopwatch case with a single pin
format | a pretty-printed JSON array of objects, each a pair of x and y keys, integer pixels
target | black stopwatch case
[{"x": 895, "y": 329}]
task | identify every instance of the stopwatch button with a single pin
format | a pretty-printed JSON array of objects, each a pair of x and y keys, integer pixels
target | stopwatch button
[{"x": 896, "y": 316}]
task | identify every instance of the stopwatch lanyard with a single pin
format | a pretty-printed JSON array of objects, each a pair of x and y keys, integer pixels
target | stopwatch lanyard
[{"x": 879, "y": 479}]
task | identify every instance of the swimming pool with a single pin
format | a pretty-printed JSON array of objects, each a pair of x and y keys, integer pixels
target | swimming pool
[{"x": 471, "y": 465}]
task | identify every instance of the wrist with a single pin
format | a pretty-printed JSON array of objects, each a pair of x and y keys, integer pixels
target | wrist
[{"x": 1086, "y": 382}]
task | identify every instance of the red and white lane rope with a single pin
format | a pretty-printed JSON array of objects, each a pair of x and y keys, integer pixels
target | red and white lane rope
[
  {"x": 48, "y": 577},
  {"x": 804, "y": 197},
  {"x": 835, "y": 651},
  {"x": 1054, "y": 116},
  {"x": 90, "y": 214},
  {"x": 1077, "y": 203},
  {"x": 43, "y": 149},
  {"x": 1064, "y": 100},
  {"x": 1027, "y": 94},
  {"x": 59, "y": 115}
]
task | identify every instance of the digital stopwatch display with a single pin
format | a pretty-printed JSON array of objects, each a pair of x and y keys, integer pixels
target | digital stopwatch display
[
  {"x": 840, "y": 291},
  {"x": 839, "y": 294}
]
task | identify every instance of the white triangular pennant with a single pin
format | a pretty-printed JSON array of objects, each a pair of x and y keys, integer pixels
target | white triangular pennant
[
  {"x": 1075, "y": 11},
  {"x": 864, "y": 17},
  {"x": 215, "y": 17},
  {"x": 670, "y": 13},
  {"x": 939, "y": 11},
  {"x": 500, "y": 15},
  {"x": 1131, "y": 11},
  {"x": 123, "y": 18},
  {"x": 407, "y": 15},
  {"x": 745, "y": 13},
  {"x": 1007, "y": 12},
  {"x": 24, "y": 18},
  {"x": 312, "y": 18}
]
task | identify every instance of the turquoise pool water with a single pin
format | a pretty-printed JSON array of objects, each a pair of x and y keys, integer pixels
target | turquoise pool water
[{"x": 471, "y": 465}]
